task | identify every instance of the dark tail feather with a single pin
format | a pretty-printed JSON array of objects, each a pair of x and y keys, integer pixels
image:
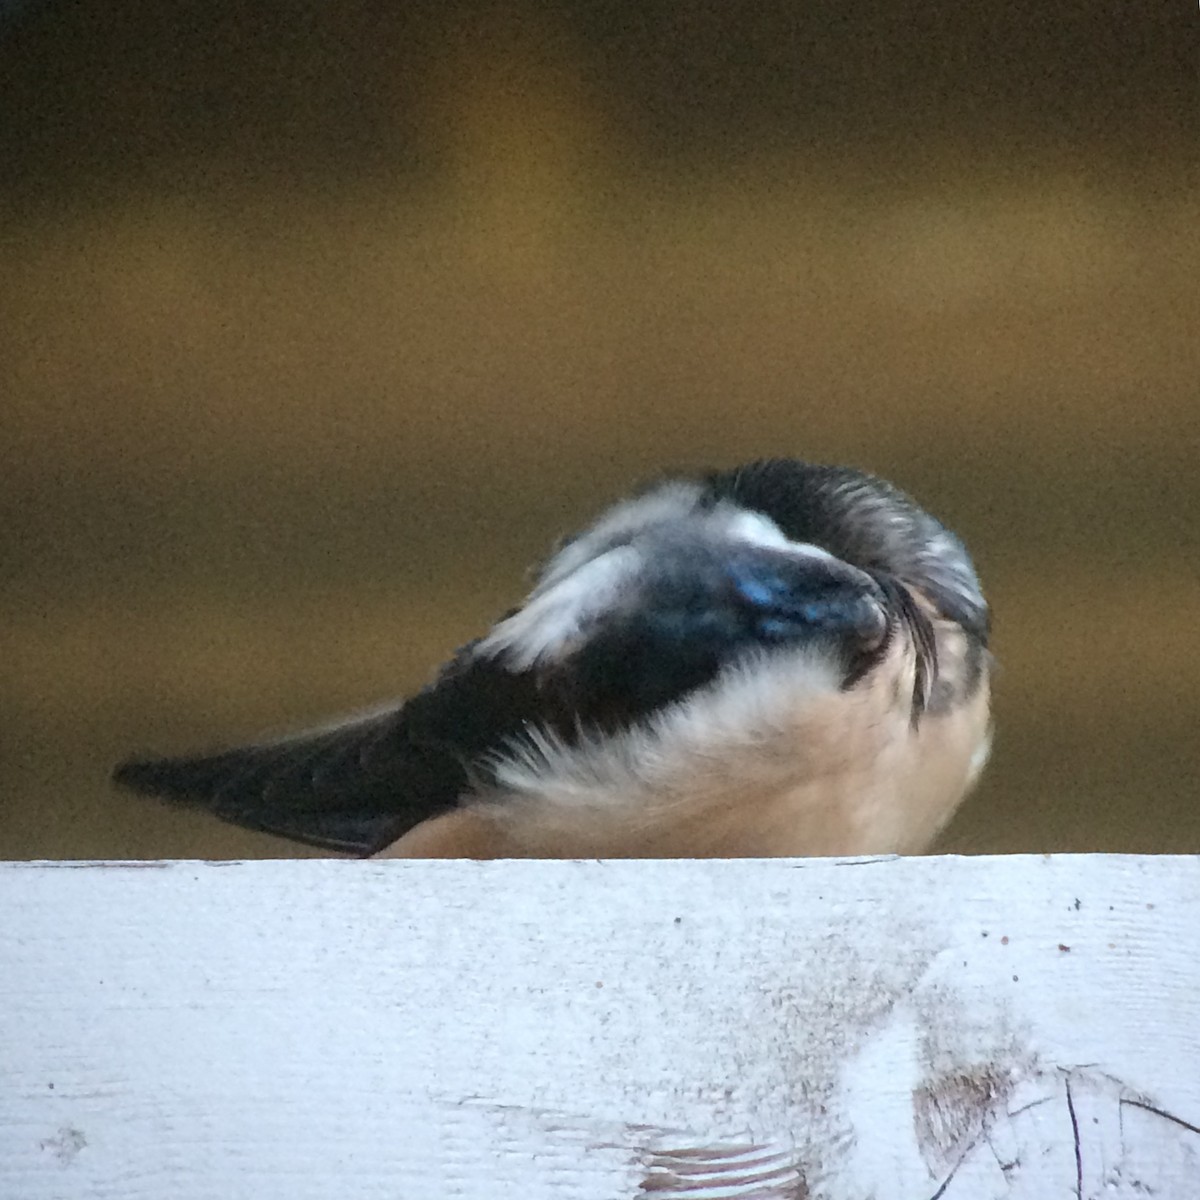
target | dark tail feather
[{"x": 270, "y": 791}]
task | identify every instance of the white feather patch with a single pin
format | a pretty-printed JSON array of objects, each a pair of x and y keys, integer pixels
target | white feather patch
[
  {"x": 554, "y": 618},
  {"x": 619, "y": 525}
]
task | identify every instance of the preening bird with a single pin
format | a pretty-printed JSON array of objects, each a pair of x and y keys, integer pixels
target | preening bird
[{"x": 782, "y": 659}]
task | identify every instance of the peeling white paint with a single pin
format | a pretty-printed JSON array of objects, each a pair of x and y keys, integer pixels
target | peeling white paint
[{"x": 753, "y": 1030}]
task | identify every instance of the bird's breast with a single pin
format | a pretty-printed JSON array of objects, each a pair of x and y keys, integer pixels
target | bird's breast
[{"x": 775, "y": 759}]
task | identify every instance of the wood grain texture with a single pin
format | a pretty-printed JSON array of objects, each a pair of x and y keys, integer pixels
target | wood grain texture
[{"x": 779, "y": 1030}]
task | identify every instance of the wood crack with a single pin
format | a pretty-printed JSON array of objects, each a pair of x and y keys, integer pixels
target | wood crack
[
  {"x": 1075, "y": 1135},
  {"x": 1145, "y": 1106}
]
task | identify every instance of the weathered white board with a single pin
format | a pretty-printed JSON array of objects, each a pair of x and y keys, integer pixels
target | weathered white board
[{"x": 973, "y": 1029}]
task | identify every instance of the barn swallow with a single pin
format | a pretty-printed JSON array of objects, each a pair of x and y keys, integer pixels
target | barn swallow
[{"x": 782, "y": 659}]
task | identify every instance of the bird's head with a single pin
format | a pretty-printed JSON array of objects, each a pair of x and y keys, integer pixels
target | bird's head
[{"x": 688, "y": 576}]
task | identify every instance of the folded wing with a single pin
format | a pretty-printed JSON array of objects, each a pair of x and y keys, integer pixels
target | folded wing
[{"x": 358, "y": 785}]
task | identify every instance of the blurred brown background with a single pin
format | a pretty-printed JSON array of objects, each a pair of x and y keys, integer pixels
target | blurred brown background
[{"x": 318, "y": 322}]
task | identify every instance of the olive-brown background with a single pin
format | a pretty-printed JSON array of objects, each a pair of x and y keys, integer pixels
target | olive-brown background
[{"x": 318, "y": 322}]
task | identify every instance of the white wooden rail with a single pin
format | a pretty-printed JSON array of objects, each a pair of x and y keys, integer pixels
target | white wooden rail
[{"x": 973, "y": 1029}]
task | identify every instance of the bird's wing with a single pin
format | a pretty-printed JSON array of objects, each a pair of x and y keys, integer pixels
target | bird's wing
[{"x": 358, "y": 785}]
